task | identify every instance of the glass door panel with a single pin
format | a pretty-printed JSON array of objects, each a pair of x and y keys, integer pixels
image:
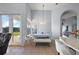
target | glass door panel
[
  {"x": 5, "y": 23},
  {"x": 16, "y": 29}
]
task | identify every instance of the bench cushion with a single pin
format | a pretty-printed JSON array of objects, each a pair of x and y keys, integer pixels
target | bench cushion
[{"x": 42, "y": 40}]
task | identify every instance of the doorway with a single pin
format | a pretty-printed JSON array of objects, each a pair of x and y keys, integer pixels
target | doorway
[
  {"x": 16, "y": 26},
  {"x": 69, "y": 24}
]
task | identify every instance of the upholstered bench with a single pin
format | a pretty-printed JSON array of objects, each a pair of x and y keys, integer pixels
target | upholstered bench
[{"x": 42, "y": 41}]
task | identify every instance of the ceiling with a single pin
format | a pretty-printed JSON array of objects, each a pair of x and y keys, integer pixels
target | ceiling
[{"x": 39, "y": 6}]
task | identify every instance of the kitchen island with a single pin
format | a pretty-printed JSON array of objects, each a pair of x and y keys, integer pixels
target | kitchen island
[{"x": 72, "y": 43}]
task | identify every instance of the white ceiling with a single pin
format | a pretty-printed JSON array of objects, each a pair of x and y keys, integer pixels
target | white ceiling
[{"x": 47, "y": 6}]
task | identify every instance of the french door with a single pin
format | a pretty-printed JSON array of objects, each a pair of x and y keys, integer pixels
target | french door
[
  {"x": 16, "y": 29},
  {"x": 11, "y": 24}
]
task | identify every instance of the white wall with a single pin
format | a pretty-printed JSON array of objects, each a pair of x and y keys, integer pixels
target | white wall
[
  {"x": 25, "y": 16},
  {"x": 56, "y": 18},
  {"x": 40, "y": 16}
]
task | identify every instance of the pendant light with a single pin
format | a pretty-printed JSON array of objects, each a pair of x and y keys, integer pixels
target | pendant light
[{"x": 43, "y": 19}]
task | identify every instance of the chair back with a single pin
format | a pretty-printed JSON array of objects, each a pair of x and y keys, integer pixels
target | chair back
[{"x": 7, "y": 38}]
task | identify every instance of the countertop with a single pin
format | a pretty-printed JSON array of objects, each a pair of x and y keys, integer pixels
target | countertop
[{"x": 71, "y": 42}]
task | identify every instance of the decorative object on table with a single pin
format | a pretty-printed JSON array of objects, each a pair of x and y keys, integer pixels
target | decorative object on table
[{"x": 78, "y": 34}]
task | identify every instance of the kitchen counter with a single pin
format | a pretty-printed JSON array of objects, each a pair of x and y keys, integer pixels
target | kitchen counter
[{"x": 71, "y": 42}]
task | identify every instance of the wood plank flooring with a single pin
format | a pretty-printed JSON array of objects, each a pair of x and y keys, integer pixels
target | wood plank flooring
[{"x": 30, "y": 49}]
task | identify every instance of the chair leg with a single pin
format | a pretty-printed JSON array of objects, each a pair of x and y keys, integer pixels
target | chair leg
[
  {"x": 58, "y": 53},
  {"x": 35, "y": 44},
  {"x": 49, "y": 44}
]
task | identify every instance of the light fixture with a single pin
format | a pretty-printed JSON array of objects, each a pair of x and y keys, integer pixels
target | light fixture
[
  {"x": 42, "y": 23},
  {"x": 56, "y": 3},
  {"x": 43, "y": 19}
]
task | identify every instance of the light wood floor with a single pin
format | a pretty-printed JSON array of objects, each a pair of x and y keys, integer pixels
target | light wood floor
[{"x": 30, "y": 49}]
